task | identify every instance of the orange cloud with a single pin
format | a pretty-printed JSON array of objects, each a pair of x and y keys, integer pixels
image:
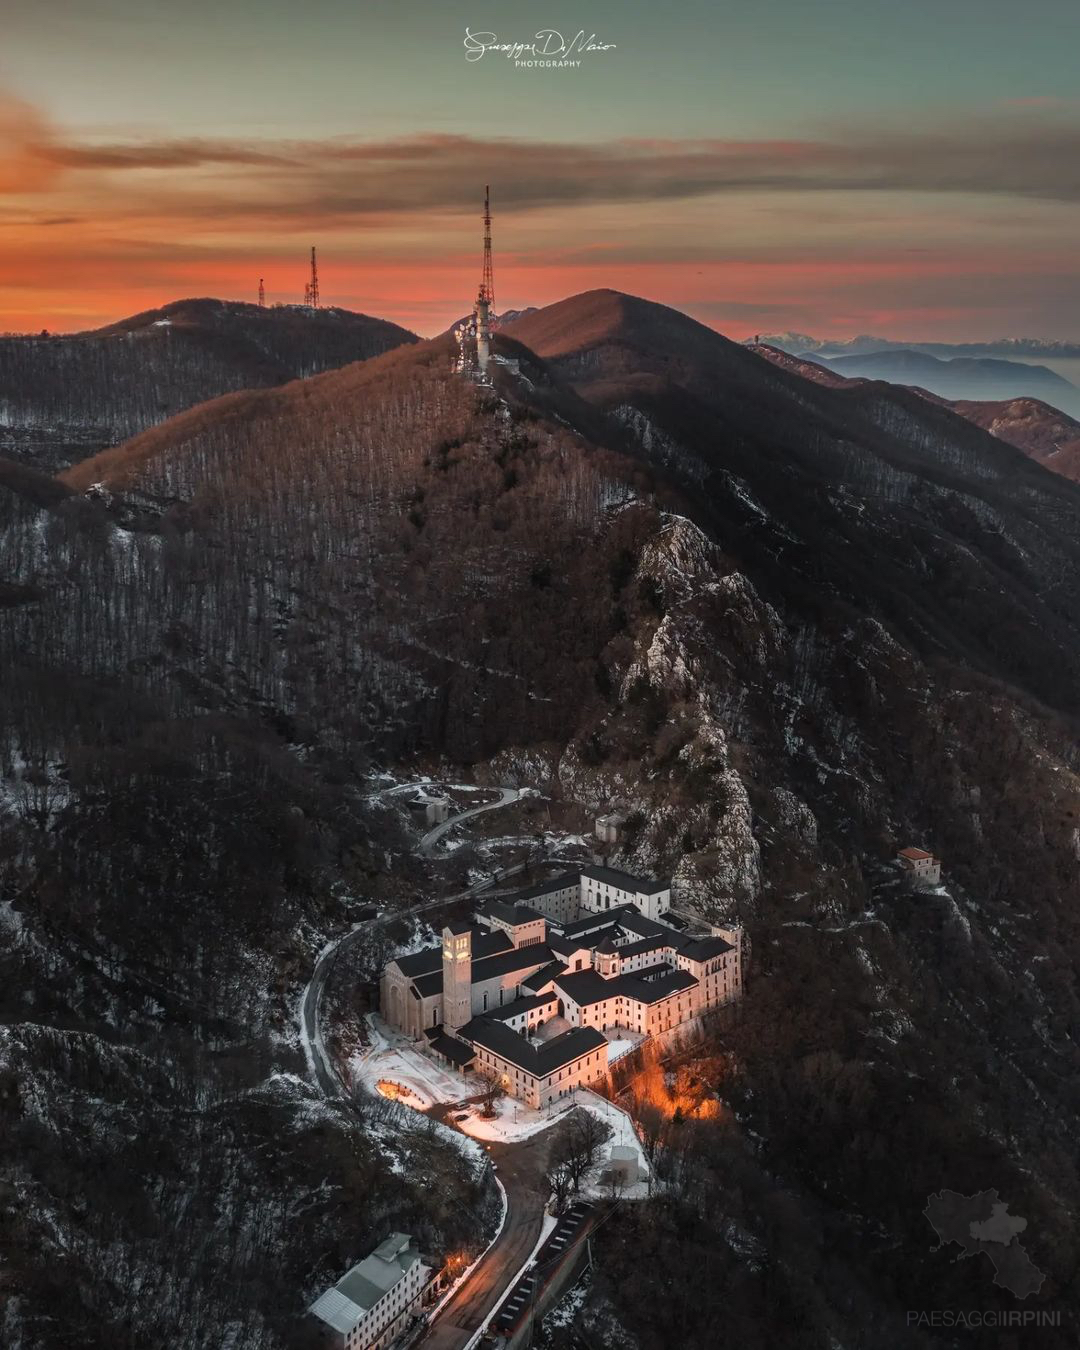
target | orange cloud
[
  {"x": 25, "y": 139},
  {"x": 735, "y": 231}
]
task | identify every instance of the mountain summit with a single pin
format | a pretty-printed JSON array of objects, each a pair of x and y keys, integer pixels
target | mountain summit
[{"x": 64, "y": 397}]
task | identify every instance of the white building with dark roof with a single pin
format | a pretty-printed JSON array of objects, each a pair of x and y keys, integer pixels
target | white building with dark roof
[
  {"x": 373, "y": 1302},
  {"x": 596, "y": 889},
  {"x": 529, "y": 991}
]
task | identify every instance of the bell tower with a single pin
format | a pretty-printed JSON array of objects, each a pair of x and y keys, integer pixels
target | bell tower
[{"x": 457, "y": 975}]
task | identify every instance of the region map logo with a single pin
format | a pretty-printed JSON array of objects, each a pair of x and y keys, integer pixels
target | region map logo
[{"x": 982, "y": 1224}]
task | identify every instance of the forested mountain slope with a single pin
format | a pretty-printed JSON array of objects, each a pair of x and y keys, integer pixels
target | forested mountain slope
[
  {"x": 63, "y": 397},
  {"x": 792, "y": 628}
]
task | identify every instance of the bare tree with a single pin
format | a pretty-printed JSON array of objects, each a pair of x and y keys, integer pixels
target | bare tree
[
  {"x": 493, "y": 1088},
  {"x": 651, "y": 1122},
  {"x": 558, "y": 1180},
  {"x": 581, "y": 1149}
]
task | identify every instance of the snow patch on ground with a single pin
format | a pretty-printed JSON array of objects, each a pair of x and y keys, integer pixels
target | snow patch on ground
[
  {"x": 624, "y": 1136},
  {"x": 513, "y": 1120},
  {"x": 10, "y": 920},
  {"x": 568, "y": 1310}
]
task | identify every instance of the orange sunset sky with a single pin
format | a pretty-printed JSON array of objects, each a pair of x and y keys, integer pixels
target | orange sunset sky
[{"x": 831, "y": 168}]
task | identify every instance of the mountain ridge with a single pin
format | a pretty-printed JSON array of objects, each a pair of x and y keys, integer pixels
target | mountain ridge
[
  {"x": 64, "y": 397},
  {"x": 1041, "y": 431},
  {"x": 864, "y": 343},
  {"x": 792, "y": 628}
]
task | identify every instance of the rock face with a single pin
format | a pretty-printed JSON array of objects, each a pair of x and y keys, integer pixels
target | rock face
[{"x": 792, "y": 627}]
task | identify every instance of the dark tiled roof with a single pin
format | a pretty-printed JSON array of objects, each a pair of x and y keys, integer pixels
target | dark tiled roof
[
  {"x": 566, "y": 946},
  {"x": 650, "y": 944},
  {"x": 502, "y": 963},
  {"x": 611, "y": 924},
  {"x": 459, "y": 926},
  {"x": 558, "y": 883},
  {"x": 539, "y": 1060},
  {"x": 549, "y": 972},
  {"x": 626, "y": 881},
  {"x": 661, "y": 986},
  {"x": 499, "y": 909},
  {"x": 702, "y": 949},
  {"x": 484, "y": 943},
  {"x": 635, "y": 922},
  {"x": 457, "y": 1052},
  {"x": 517, "y": 958},
  {"x": 520, "y": 1005},
  {"x": 591, "y": 923},
  {"x": 586, "y": 987},
  {"x": 625, "y": 916},
  {"x": 426, "y": 985},
  {"x": 607, "y": 947},
  {"x": 421, "y": 963}
]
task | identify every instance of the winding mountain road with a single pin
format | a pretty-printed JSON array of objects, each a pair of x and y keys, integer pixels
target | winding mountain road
[
  {"x": 506, "y": 796},
  {"x": 521, "y": 1166},
  {"x": 522, "y": 1170},
  {"x": 320, "y": 1064}
]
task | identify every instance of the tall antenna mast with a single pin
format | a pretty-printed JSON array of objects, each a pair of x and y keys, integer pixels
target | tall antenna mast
[
  {"x": 311, "y": 290},
  {"x": 487, "y": 281},
  {"x": 262, "y": 294}
]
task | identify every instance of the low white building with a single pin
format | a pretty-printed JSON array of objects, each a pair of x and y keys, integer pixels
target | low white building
[
  {"x": 922, "y": 867},
  {"x": 437, "y": 810},
  {"x": 371, "y": 1304},
  {"x": 607, "y": 828},
  {"x": 623, "y": 1162},
  {"x": 596, "y": 889}
]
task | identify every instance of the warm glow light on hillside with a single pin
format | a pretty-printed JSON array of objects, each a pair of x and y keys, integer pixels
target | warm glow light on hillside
[{"x": 676, "y": 1096}]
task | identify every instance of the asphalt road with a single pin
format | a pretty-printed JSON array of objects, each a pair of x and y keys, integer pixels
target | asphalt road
[
  {"x": 521, "y": 1171},
  {"x": 506, "y": 796},
  {"x": 326, "y": 1074}
]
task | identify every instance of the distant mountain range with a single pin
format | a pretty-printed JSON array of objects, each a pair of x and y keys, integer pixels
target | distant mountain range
[
  {"x": 953, "y": 373},
  {"x": 864, "y": 343},
  {"x": 1033, "y": 426}
]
